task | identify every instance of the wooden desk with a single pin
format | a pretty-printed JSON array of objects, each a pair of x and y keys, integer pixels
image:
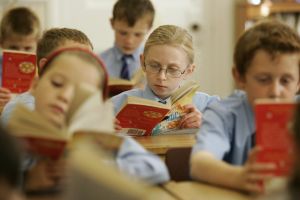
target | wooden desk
[
  {"x": 198, "y": 191},
  {"x": 160, "y": 144},
  {"x": 159, "y": 193}
]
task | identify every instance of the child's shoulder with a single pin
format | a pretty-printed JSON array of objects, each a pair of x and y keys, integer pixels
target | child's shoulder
[
  {"x": 134, "y": 92},
  {"x": 231, "y": 104}
]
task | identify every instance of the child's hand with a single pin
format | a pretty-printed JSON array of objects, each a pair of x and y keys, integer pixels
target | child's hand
[
  {"x": 45, "y": 174},
  {"x": 192, "y": 118},
  {"x": 117, "y": 125},
  {"x": 251, "y": 176},
  {"x": 5, "y": 96}
]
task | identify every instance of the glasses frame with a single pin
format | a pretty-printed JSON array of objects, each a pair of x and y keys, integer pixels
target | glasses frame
[{"x": 166, "y": 71}]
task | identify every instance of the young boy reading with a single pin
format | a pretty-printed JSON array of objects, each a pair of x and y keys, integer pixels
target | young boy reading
[
  {"x": 19, "y": 30},
  {"x": 54, "y": 92},
  {"x": 266, "y": 65},
  {"x": 167, "y": 61},
  {"x": 51, "y": 40},
  {"x": 131, "y": 21}
]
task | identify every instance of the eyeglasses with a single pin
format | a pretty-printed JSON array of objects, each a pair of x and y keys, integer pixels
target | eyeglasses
[{"x": 155, "y": 68}]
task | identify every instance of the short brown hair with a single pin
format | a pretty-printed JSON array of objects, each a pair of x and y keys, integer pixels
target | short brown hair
[
  {"x": 20, "y": 21},
  {"x": 131, "y": 11},
  {"x": 271, "y": 36},
  {"x": 53, "y": 38}
]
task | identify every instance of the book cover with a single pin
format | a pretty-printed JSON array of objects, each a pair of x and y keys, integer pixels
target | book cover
[
  {"x": 43, "y": 138},
  {"x": 117, "y": 85},
  {"x": 182, "y": 96},
  {"x": 273, "y": 134},
  {"x": 18, "y": 70},
  {"x": 138, "y": 116}
]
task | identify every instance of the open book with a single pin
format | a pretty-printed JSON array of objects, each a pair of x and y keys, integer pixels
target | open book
[
  {"x": 138, "y": 116},
  {"x": 18, "y": 70},
  {"x": 93, "y": 175},
  {"x": 182, "y": 96},
  {"x": 86, "y": 119},
  {"x": 117, "y": 85},
  {"x": 273, "y": 134}
]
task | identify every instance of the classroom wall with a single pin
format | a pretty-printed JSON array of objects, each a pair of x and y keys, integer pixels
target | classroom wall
[{"x": 213, "y": 39}]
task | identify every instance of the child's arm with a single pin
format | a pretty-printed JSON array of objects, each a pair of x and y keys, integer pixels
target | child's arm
[
  {"x": 135, "y": 161},
  {"x": 205, "y": 167},
  {"x": 193, "y": 117}
]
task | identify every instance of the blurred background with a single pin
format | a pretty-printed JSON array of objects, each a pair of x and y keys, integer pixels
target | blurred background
[{"x": 214, "y": 24}]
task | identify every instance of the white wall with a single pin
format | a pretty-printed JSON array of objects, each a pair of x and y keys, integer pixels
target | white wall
[{"x": 213, "y": 43}]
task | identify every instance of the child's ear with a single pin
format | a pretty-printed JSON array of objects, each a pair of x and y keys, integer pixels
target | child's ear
[
  {"x": 42, "y": 62},
  {"x": 239, "y": 80},
  {"x": 189, "y": 70},
  {"x": 142, "y": 62}
]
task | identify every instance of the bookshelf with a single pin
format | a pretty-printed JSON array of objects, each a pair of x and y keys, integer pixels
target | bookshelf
[{"x": 247, "y": 14}]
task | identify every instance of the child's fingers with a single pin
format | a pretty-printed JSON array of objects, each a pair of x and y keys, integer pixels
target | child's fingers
[
  {"x": 191, "y": 120},
  {"x": 254, "y": 188},
  {"x": 4, "y": 90}
]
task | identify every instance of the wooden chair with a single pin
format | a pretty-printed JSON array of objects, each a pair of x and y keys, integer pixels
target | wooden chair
[{"x": 178, "y": 163}]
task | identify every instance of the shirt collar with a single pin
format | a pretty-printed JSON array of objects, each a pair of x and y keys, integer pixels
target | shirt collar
[
  {"x": 249, "y": 114},
  {"x": 148, "y": 94},
  {"x": 135, "y": 56}
]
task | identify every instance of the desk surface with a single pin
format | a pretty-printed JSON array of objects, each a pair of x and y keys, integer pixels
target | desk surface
[
  {"x": 198, "y": 191},
  {"x": 160, "y": 144}
]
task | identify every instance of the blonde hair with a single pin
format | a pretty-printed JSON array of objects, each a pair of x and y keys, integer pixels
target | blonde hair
[{"x": 171, "y": 35}]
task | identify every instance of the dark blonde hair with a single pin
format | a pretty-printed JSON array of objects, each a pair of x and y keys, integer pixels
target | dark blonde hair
[
  {"x": 271, "y": 36},
  {"x": 171, "y": 35},
  {"x": 131, "y": 11},
  {"x": 21, "y": 21}
]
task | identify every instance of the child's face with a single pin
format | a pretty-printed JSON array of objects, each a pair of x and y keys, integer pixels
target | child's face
[
  {"x": 269, "y": 77},
  {"x": 163, "y": 57},
  {"x": 127, "y": 38},
  {"x": 20, "y": 43},
  {"x": 55, "y": 90}
]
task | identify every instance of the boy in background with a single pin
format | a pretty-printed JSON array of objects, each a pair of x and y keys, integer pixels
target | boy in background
[
  {"x": 19, "y": 30},
  {"x": 131, "y": 21},
  {"x": 51, "y": 40},
  {"x": 266, "y": 65}
]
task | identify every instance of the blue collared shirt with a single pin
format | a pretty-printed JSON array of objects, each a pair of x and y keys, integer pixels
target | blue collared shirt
[
  {"x": 25, "y": 98},
  {"x": 227, "y": 129},
  {"x": 200, "y": 99},
  {"x": 112, "y": 58},
  {"x": 134, "y": 160}
]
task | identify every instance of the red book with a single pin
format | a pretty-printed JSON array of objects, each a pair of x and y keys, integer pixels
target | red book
[
  {"x": 138, "y": 116},
  {"x": 273, "y": 134},
  {"x": 18, "y": 70}
]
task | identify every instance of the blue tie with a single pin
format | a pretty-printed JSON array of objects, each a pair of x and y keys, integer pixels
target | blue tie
[{"x": 125, "y": 67}]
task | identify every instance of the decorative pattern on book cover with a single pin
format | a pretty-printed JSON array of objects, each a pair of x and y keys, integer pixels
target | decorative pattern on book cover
[
  {"x": 139, "y": 119},
  {"x": 273, "y": 122},
  {"x": 18, "y": 70},
  {"x": 171, "y": 123}
]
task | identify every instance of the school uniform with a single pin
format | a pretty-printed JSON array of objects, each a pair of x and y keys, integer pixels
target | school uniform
[
  {"x": 134, "y": 160},
  {"x": 112, "y": 59},
  {"x": 228, "y": 129},
  {"x": 25, "y": 98},
  {"x": 200, "y": 99}
]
